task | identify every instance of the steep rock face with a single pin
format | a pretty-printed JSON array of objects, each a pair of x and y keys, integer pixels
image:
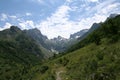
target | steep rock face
[
  {"x": 58, "y": 44},
  {"x": 37, "y": 36}
]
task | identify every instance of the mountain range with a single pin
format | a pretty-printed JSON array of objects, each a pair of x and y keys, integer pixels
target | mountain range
[
  {"x": 87, "y": 55},
  {"x": 58, "y": 44}
]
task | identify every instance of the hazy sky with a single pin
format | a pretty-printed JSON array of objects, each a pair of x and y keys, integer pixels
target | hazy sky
[{"x": 55, "y": 17}]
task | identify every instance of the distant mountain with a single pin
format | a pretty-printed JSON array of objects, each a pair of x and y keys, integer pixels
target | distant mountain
[
  {"x": 78, "y": 34},
  {"x": 113, "y": 15},
  {"x": 86, "y": 33},
  {"x": 93, "y": 27},
  {"x": 72, "y": 40},
  {"x": 59, "y": 38},
  {"x": 61, "y": 44},
  {"x": 58, "y": 44},
  {"x": 50, "y": 45}
]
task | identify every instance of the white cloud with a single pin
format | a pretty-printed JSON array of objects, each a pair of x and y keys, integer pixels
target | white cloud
[
  {"x": 41, "y": 1},
  {"x": 60, "y": 24},
  {"x": 57, "y": 24},
  {"x": 109, "y": 8},
  {"x": 38, "y": 1},
  {"x": 4, "y": 17},
  {"x": 69, "y": 1},
  {"x": 6, "y": 26},
  {"x": 13, "y": 17},
  {"x": 87, "y": 22},
  {"x": 28, "y": 14},
  {"x": 93, "y": 0},
  {"x": 27, "y": 24}
]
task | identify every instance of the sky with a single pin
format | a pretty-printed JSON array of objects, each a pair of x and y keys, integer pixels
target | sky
[{"x": 55, "y": 17}]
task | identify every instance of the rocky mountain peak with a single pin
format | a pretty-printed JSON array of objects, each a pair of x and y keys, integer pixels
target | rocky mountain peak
[{"x": 15, "y": 29}]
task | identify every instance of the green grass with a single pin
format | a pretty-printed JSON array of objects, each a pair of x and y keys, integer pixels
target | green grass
[{"x": 92, "y": 62}]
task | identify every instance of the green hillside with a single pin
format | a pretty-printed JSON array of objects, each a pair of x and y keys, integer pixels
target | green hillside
[
  {"x": 97, "y": 57},
  {"x": 18, "y": 53}
]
